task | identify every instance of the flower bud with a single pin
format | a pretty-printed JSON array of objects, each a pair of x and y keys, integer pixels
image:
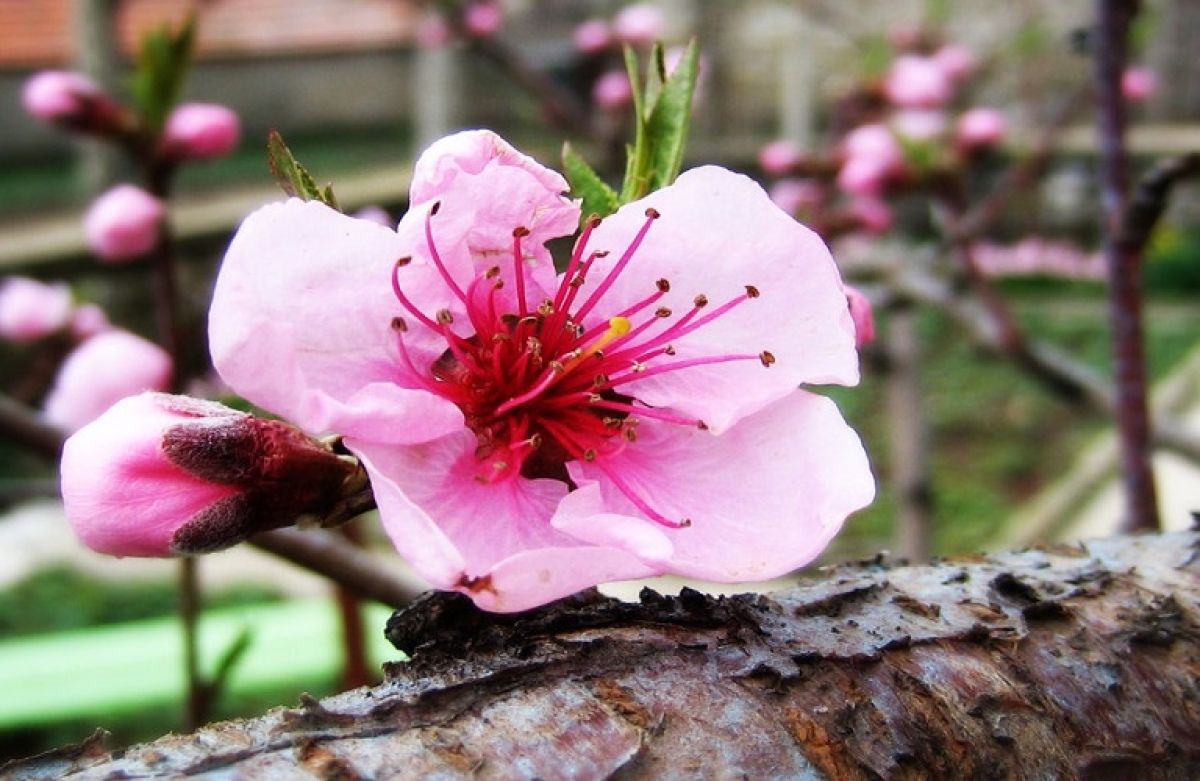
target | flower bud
[
  {"x": 980, "y": 128},
  {"x": 917, "y": 82},
  {"x": 101, "y": 371},
  {"x": 31, "y": 310},
  {"x": 483, "y": 18},
  {"x": 161, "y": 475},
  {"x": 612, "y": 90},
  {"x": 957, "y": 62},
  {"x": 640, "y": 24},
  {"x": 779, "y": 157},
  {"x": 861, "y": 314},
  {"x": 201, "y": 131},
  {"x": 123, "y": 223},
  {"x": 592, "y": 36},
  {"x": 73, "y": 101},
  {"x": 1138, "y": 83}
]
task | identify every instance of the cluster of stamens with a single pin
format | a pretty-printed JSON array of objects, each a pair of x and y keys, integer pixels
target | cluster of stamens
[{"x": 537, "y": 387}]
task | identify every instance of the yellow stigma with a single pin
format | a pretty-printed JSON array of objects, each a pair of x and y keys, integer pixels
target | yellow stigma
[{"x": 617, "y": 327}]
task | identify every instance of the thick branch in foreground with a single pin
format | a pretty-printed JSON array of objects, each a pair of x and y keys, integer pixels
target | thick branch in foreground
[{"x": 1072, "y": 662}]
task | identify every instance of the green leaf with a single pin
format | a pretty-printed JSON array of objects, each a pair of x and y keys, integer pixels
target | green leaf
[
  {"x": 598, "y": 198},
  {"x": 293, "y": 178},
  {"x": 664, "y": 110},
  {"x": 163, "y": 61}
]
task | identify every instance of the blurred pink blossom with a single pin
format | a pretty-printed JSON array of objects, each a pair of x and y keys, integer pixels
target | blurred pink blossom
[
  {"x": 914, "y": 81},
  {"x": 779, "y": 157},
  {"x": 201, "y": 131},
  {"x": 89, "y": 320},
  {"x": 921, "y": 125},
  {"x": 433, "y": 31},
  {"x": 161, "y": 475},
  {"x": 957, "y": 62},
  {"x": 528, "y": 434},
  {"x": 1038, "y": 256},
  {"x": 981, "y": 127},
  {"x": 592, "y": 36},
  {"x": 640, "y": 24},
  {"x": 612, "y": 91},
  {"x": 482, "y": 18},
  {"x": 1138, "y": 83},
  {"x": 123, "y": 223},
  {"x": 31, "y": 310},
  {"x": 68, "y": 98},
  {"x": 101, "y": 371},
  {"x": 797, "y": 195},
  {"x": 873, "y": 214}
]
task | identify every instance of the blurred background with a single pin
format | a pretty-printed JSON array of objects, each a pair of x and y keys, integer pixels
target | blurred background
[{"x": 972, "y": 450}]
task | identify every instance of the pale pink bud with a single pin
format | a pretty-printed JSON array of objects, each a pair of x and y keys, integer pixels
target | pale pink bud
[
  {"x": 201, "y": 131},
  {"x": 31, "y": 310},
  {"x": 161, "y": 475},
  {"x": 640, "y": 24},
  {"x": 871, "y": 155},
  {"x": 89, "y": 320},
  {"x": 917, "y": 82},
  {"x": 919, "y": 124},
  {"x": 797, "y": 195},
  {"x": 56, "y": 95},
  {"x": 593, "y": 36},
  {"x": 957, "y": 62},
  {"x": 872, "y": 214},
  {"x": 864, "y": 176},
  {"x": 612, "y": 90},
  {"x": 874, "y": 140},
  {"x": 861, "y": 314},
  {"x": 101, "y": 371},
  {"x": 483, "y": 19},
  {"x": 779, "y": 157},
  {"x": 980, "y": 128},
  {"x": 1138, "y": 83},
  {"x": 123, "y": 223}
]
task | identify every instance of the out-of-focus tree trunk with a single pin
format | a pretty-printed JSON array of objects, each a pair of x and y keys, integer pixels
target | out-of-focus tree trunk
[
  {"x": 98, "y": 55},
  {"x": 1072, "y": 662}
]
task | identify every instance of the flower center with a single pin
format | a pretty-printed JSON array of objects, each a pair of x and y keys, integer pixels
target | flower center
[{"x": 536, "y": 386}]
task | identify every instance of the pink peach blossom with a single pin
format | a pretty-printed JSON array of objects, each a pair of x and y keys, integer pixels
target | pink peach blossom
[
  {"x": 123, "y": 223},
  {"x": 873, "y": 214},
  {"x": 779, "y": 157},
  {"x": 161, "y": 475},
  {"x": 73, "y": 101},
  {"x": 1138, "y": 83},
  {"x": 957, "y": 62},
  {"x": 921, "y": 125},
  {"x": 640, "y": 24},
  {"x": 612, "y": 90},
  {"x": 980, "y": 128},
  {"x": 797, "y": 195},
  {"x": 593, "y": 36},
  {"x": 527, "y": 434},
  {"x": 88, "y": 320},
  {"x": 482, "y": 18},
  {"x": 31, "y": 310},
  {"x": 201, "y": 131},
  {"x": 101, "y": 371},
  {"x": 914, "y": 81}
]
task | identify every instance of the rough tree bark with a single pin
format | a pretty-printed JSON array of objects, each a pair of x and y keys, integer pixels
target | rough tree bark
[{"x": 1067, "y": 662}]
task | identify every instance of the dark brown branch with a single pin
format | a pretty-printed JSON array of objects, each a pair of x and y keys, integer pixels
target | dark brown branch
[{"x": 1076, "y": 662}]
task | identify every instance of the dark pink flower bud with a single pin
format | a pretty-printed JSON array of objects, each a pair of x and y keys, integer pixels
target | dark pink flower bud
[
  {"x": 101, "y": 371},
  {"x": 612, "y": 90},
  {"x": 73, "y": 101},
  {"x": 862, "y": 315},
  {"x": 201, "y": 131},
  {"x": 31, "y": 310},
  {"x": 161, "y": 475},
  {"x": 1138, "y": 83},
  {"x": 483, "y": 18},
  {"x": 123, "y": 223}
]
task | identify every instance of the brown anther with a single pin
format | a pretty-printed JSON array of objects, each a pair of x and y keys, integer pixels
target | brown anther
[
  {"x": 437, "y": 205},
  {"x": 669, "y": 350},
  {"x": 766, "y": 357},
  {"x": 600, "y": 253},
  {"x": 520, "y": 232},
  {"x": 535, "y": 440},
  {"x": 398, "y": 324},
  {"x": 501, "y": 337},
  {"x": 404, "y": 261},
  {"x": 556, "y": 366},
  {"x": 686, "y": 522},
  {"x": 700, "y": 301},
  {"x": 638, "y": 367},
  {"x": 593, "y": 221},
  {"x": 700, "y": 424},
  {"x": 445, "y": 316},
  {"x": 509, "y": 319},
  {"x": 492, "y": 272},
  {"x": 595, "y": 398},
  {"x": 609, "y": 422},
  {"x": 663, "y": 286},
  {"x": 630, "y": 434},
  {"x": 590, "y": 454},
  {"x": 752, "y": 291},
  {"x": 652, "y": 213},
  {"x": 598, "y": 355},
  {"x": 577, "y": 282},
  {"x": 600, "y": 380},
  {"x": 546, "y": 308},
  {"x": 662, "y": 311}
]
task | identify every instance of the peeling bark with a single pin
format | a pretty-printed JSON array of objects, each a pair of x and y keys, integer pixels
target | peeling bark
[{"x": 1071, "y": 662}]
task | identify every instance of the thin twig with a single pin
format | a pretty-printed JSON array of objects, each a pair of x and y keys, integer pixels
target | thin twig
[{"x": 1124, "y": 262}]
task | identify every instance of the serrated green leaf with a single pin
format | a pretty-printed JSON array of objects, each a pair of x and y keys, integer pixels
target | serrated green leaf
[
  {"x": 163, "y": 61},
  {"x": 293, "y": 178},
  {"x": 671, "y": 117},
  {"x": 598, "y": 198}
]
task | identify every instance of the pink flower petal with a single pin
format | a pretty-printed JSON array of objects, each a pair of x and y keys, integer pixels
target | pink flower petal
[
  {"x": 300, "y": 324},
  {"x": 763, "y": 498},
  {"x": 719, "y": 232},
  {"x": 100, "y": 372}
]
